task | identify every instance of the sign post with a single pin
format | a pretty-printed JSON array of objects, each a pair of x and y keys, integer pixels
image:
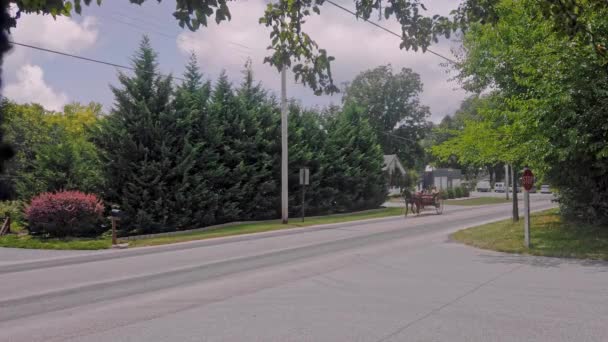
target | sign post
[
  {"x": 115, "y": 215},
  {"x": 527, "y": 181},
  {"x": 304, "y": 181}
]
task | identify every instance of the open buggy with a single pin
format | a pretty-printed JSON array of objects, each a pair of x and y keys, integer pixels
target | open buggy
[{"x": 418, "y": 201}]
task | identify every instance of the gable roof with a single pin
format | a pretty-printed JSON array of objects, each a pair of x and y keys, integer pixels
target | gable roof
[{"x": 391, "y": 161}]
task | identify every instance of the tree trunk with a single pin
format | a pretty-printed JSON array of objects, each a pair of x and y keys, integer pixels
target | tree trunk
[{"x": 514, "y": 184}]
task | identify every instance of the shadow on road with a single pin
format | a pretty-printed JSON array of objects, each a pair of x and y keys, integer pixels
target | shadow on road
[{"x": 541, "y": 261}]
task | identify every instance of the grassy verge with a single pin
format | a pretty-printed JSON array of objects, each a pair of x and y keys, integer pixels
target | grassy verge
[
  {"x": 26, "y": 241},
  {"x": 549, "y": 236},
  {"x": 478, "y": 201},
  {"x": 266, "y": 226}
]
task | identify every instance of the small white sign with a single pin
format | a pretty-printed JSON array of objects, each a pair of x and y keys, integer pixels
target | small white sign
[{"x": 304, "y": 176}]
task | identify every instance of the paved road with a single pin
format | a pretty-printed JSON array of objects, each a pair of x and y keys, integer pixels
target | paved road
[{"x": 382, "y": 280}]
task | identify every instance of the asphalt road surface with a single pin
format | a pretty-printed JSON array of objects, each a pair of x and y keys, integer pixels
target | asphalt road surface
[{"x": 389, "y": 279}]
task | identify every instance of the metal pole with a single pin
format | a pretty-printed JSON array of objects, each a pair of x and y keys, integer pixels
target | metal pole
[
  {"x": 514, "y": 193},
  {"x": 526, "y": 218},
  {"x": 507, "y": 180},
  {"x": 114, "y": 231},
  {"x": 303, "y": 200},
  {"x": 284, "y": 155}
]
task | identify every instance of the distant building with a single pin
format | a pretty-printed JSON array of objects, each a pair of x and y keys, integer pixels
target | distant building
[
  {"x": 442, "y": 179},
  {"x": 395, "y": 173}
]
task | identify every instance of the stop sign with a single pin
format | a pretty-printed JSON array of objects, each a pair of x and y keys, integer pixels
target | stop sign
[{"x": 527, "y": 179}]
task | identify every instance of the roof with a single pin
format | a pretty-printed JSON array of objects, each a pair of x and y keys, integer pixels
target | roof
[{"x": 391, "y": 161}]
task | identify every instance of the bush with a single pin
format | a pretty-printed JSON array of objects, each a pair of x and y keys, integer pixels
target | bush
[
  {"x": 13, "y": 208},
  {"x": 458, "y": 192},
  {"x": 465, "y": 192},
  {"x": 450, "y": 193},
  {"x": 66, "y": 213}
]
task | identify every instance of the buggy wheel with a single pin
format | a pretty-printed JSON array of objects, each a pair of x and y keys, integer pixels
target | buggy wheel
[{"x": 439, "y": 206}]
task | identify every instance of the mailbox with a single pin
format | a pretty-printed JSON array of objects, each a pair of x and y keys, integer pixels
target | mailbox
[{"x": 116, "y": 213}]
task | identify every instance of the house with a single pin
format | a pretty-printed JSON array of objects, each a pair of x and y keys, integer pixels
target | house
[
  {"x": 442, "y": 179},
  {"x": 395, "y": 173}
]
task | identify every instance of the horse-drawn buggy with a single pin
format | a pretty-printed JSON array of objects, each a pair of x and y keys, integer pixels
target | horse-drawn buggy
[{"x": 417, "y": 201}]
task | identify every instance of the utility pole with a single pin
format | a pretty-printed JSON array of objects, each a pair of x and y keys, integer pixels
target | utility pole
[
  {"x": 284, "y": 155},
  {"x": 514, "y": 180},
  {"x": 507, "y": 180}
]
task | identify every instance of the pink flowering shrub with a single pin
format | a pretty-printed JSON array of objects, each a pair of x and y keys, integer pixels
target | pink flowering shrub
[{"x": 65, "y": 213}]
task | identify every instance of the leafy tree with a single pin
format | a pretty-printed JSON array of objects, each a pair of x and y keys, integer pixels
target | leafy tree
[
  {"x": 452, "y": 126},
  {"x": 393, "y": 108},
  {"x": 550, "y": 88},
  {"x": 54, "y": 150}
]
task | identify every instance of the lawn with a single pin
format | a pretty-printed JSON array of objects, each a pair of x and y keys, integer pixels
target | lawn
[
  {"x": 549, "y": 236},
  {"x": 26, "y": 241},
  {"x": 478, "y": 201},
  {"x": 266, "y": 226}
]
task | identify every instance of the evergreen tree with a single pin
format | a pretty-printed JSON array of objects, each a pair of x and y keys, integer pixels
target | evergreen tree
[
  {"x": 307, "y": 142},
  {"x": 144, "y": 157},
  {"x": 353, "y": 163},
  {"x": 235, "y": 132},
  {"x": 263, "y": 119},
  {"x": 195, "y": 202}
]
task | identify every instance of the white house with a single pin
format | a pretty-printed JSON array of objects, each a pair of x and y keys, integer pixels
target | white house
[
  {"x": 395, "y": 171},
  {"x": 442, "y": 179}
]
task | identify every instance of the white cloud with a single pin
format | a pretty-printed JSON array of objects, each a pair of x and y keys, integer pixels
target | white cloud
[
  {"x": 31, "y": 87},
  {"x": 63, "y": 33},
  {"x": 356, "y": 45}
]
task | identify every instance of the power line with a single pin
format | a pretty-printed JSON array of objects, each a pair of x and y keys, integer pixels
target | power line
[
  {"x": 387, "y": 30},
  {"x": 144, "y": 29},
  {"x": 398, "y": 137},
  {"x": 86, "y": 58}
]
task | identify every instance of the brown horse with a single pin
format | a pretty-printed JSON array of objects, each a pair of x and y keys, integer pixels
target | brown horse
[
  {"x": 417, "y": 201},
  {"x": 413, "y": 202}
]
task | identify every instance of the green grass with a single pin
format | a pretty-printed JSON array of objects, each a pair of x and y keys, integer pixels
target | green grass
[
  {"x": 478, "y": 201},
  {"x": 266, "y": 226},
  {"x": 549, "y": 236},
  {"x": 26, "y": 241}
]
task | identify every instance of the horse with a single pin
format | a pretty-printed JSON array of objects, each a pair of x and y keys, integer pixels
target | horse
[{"x": 413, "y": 202}]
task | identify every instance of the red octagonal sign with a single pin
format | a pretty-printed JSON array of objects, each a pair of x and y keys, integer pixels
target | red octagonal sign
[{"x": 527, "y": 179}]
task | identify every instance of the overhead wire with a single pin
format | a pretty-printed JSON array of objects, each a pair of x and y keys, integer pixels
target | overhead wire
[
  {"x": 92, "y": 60},
  {"x": 160, "y": 33},
  {"x": 386, "y": 29}
]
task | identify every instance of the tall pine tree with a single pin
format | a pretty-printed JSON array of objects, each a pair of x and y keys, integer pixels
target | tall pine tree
[
  {"x": 263, "y": 119},
  {"x": 234, "y": 132},
  {"x": 148, "y": 153},
  {"x": 194, "y": 201},
  {"x": 353, "y": 164}
]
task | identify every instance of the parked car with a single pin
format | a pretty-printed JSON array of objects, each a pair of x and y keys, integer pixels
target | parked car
[
  {"x": 544, "y": 189},
  {"x": 499, "y": 187},
  {"x": 483, "y": 186}
]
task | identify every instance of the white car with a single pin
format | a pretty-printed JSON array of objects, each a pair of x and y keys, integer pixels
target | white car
[
  {"x": 483, "y": 186},
  {"x": 544, "y": 189},
  {"x": 499, "y": 187}
]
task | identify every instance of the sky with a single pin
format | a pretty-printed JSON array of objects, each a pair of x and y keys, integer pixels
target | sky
[{"x": 112, "y": 32}]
